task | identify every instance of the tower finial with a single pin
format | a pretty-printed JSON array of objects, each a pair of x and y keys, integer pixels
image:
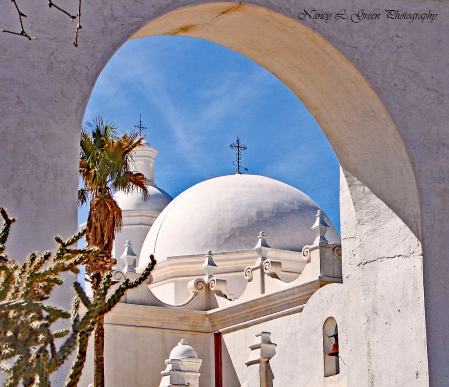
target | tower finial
[
  {"x": 239, "y": 148},
  {"x": 140, "y": 127},
  {"x": 320, "y": 227}
]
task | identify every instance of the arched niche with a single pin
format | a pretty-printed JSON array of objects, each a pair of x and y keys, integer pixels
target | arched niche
[{"x": 330, "y": 347}]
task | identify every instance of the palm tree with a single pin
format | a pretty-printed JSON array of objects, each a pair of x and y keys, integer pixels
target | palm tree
[{"x": 105, "y": 167}]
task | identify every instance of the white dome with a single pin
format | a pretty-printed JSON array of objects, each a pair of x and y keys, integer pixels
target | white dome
[
  {"x": 227, "y": 213},
  {"x": 183, "y": 351},
  {"x": 157, "y": 201}
]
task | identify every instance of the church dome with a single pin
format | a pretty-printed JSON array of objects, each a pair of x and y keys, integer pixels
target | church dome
[
  {"x": 227, "y": 213},
  {"x": 133, "y": 200}
]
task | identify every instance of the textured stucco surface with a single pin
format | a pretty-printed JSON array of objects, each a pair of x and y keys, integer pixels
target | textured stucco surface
[
  {"x": 128, "y": 360},
  {"x": 299, "y": 361},
  {"x": 299, "y": 337},
  {"x": 236, "y": 349},
  {"x": 378, "y": 90},
  {"x": 383, "y": 292}
]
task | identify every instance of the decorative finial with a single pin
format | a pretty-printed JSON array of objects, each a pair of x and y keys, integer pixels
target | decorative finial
[
  {"x": 182, "y": 367},
  {"x": 128, "y": 258},
  {"x": 320, "y": 227},
  {"x": 209, "y": 266},
  {"x": 262, "y": 246},
  {"x": 140, "y": 127},
  {"x": 239, "y": 148},
  {"x": 263, "y": 349}
]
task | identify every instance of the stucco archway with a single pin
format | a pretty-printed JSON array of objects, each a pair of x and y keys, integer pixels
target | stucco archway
[
  {"x": 46, "y": 85},
  {"x": 355, "y": 121}
]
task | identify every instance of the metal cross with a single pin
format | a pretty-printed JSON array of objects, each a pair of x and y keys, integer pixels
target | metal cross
[
  {"x": 140, "y": 127},
  {"x": 239, "y": 148}
]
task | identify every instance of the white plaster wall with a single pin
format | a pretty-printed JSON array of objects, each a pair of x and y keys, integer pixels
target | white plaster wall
[
  {"x": 383, "y": 291},
  {"x": 135, "y": 356},
  {"x": 236, "y": 348},
  {"x": 299, "y": 337},
  {"x": 379, "y": 308},
  {"x": 46, "y": 85},
  {"x": 300, "y": 360},
  {"x": 166, "y": 293}
]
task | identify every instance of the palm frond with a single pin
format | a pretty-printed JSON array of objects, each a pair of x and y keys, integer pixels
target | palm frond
[
  {"x": 130, "y": 181},
  {"x": 83, "y": 196},
  {"x": 106, "y": 163},
  {"x": 101, "y": 131}
]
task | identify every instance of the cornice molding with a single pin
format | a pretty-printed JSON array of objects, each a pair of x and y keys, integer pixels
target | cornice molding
[
  {"x": 189, "y": 266},
  {"x": 229, "y": 318}
]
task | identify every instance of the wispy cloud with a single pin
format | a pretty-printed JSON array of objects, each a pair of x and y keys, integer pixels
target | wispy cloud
[
  {"x": 190, "y": 124},
  {"x": 195, "y": 97}
]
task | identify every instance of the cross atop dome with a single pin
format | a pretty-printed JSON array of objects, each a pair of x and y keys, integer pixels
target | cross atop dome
[
  {"x": 140, "y": 126},
  {"x": 239, "y": 148}
]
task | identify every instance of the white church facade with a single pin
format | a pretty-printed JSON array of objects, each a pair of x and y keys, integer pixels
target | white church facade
[{"x": 239, "y": 259}]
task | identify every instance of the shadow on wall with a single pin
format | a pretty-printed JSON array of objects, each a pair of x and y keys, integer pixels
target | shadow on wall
[{"x": 230, "y": 378}]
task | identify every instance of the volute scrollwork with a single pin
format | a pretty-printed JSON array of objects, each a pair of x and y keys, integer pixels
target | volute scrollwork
[
  {"x": 272, "y": 267},
  {"x": 196, "y": 286},
  {"x": 336, "y": 251},
  {"x": 248, "y": 273},
  {"x": 306, "y": 253}
]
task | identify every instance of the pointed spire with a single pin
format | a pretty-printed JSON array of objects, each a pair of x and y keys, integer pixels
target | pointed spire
[
  {"x": 128, "y": 258},
  {"x": 209, "y": 266},
  {"x": 320, "y": 227},
  {"x": 262, "y": 246}
]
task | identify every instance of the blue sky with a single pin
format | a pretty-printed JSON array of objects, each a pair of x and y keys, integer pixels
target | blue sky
[{"x": 195, "y": 97}]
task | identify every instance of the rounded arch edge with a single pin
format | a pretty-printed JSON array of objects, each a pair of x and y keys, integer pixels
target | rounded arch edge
[{"x": 353, "y": 117}]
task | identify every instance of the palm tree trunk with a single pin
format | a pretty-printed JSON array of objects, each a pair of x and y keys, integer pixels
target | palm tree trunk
[
  {"x": 96, "y": 270},
  {"x": 99, "y": 354}
]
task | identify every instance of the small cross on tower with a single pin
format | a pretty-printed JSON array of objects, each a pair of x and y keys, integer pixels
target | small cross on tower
[
  {"x": 239, "y": 148},
  {"x": 140, "y": 127}
]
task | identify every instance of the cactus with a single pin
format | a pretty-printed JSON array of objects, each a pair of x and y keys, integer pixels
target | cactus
[{"x": 28, "y": 353}]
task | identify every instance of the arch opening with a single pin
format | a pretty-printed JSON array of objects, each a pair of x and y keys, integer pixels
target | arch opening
[
  {"x": 196, "y": 97},
  {"x": 355, "y": 121},
  {"x": 353, "y": 118}
]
